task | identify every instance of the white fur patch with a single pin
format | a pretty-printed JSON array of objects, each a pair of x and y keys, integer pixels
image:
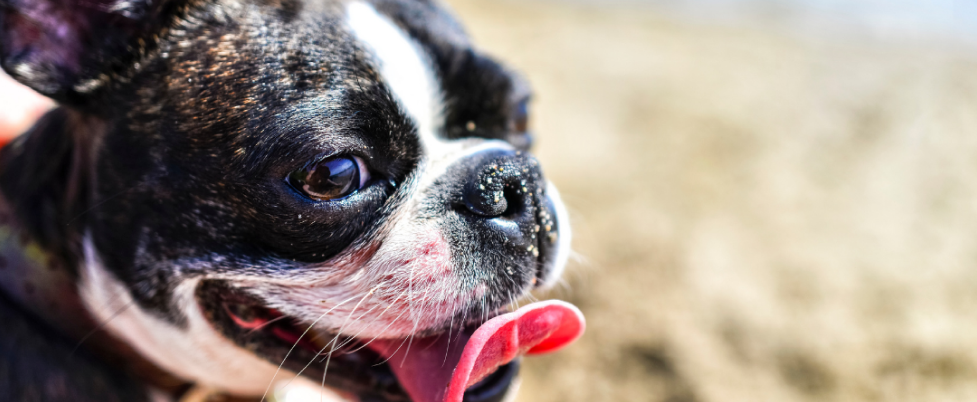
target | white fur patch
[
  {"x": 405, "y": 285},
  {"x": 407, "y": 71},
  {"x": 405, "y": 68}
]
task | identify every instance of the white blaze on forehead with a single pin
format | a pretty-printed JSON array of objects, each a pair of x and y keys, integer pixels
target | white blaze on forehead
[{"x": 403, "y": 66}]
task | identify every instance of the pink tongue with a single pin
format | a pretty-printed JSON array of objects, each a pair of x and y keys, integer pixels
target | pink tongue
[{"x": 439, "y": 369}]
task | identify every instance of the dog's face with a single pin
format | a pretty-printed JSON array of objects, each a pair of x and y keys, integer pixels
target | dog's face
[{"x": 266, "y": 167}]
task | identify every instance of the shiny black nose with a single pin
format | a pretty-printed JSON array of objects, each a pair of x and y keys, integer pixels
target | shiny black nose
[
  {"x": 500, "y": 185},
  {"x": 502, "y": 189}
]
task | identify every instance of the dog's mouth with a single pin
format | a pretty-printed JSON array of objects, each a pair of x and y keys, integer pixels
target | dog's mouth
[{"x": 477, "y": 363}]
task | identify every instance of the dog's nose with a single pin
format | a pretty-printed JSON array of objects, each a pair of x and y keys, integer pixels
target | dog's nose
[
  {"x": 502, "y": 188},
  {"x": 500, "y": 183}
]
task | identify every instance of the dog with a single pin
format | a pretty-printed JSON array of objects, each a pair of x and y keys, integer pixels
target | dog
[{"x": 236, "y": 192}]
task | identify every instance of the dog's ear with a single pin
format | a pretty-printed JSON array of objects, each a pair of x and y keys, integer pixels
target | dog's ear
[{"x": 68, "y": 49}]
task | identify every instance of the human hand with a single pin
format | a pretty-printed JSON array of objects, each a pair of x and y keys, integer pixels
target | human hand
[{"x": 19, "y": 108}]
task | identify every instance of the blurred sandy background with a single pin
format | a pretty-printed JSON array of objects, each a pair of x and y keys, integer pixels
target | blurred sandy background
[{"x": 767, "y": 207}]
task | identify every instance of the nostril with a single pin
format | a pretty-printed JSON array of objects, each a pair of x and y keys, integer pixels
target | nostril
[
  {"x": 495, "y": 198},
  {"x": 515, "y": 206}
]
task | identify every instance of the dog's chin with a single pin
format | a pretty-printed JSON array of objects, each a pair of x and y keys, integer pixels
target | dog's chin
[{"x": 347, "y": 364}]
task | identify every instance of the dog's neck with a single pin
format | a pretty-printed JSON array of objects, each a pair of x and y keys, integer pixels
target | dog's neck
[
  {"x": 37, "y": 280},
  {"x": 41, "y": 194},
  {"x": 43, "y": 285},
  {"x": 40, "y": 185}
]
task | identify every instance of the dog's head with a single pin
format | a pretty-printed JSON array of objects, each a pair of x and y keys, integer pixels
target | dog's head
[{"x": 260, "y": 168}]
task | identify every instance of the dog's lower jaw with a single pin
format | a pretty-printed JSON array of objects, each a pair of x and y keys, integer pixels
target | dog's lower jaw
[{"x": 196, "y": 353}]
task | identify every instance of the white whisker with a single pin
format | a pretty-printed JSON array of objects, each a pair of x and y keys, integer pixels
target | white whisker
[
  {"x": 290, "y": 350},
  {"x": 299, "y": 373}
]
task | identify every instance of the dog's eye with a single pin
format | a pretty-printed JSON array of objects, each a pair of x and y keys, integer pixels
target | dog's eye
[
  {"x": 519, "y": 135},
  {"x": 331, "y": 178},
  {"x": 520, "y": 117}
]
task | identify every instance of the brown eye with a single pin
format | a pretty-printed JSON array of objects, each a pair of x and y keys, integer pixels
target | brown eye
[
  {"x": 520, "y": 117},
  {"x": 519, "y": 135},
  {"x": 330, "y": 178}
]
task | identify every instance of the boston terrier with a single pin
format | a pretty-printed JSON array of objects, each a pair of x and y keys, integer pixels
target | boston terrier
[{"x": 234, "y": 194}]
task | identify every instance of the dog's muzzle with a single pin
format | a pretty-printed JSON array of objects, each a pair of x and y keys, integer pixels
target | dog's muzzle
[{"x": 504, "y": 195}]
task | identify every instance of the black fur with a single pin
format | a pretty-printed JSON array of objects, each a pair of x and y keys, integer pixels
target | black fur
[
  {"x": 41, "y": 168},
  {"x": 183, "y": 118},
  {"x": 41, "y": 366}
]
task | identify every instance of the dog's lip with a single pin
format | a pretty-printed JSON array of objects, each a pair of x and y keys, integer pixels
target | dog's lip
[{"x": 246, "y": 321}]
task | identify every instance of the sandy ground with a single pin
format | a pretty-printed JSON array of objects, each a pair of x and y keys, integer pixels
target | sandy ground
[{"x": 759, "y": 217}]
